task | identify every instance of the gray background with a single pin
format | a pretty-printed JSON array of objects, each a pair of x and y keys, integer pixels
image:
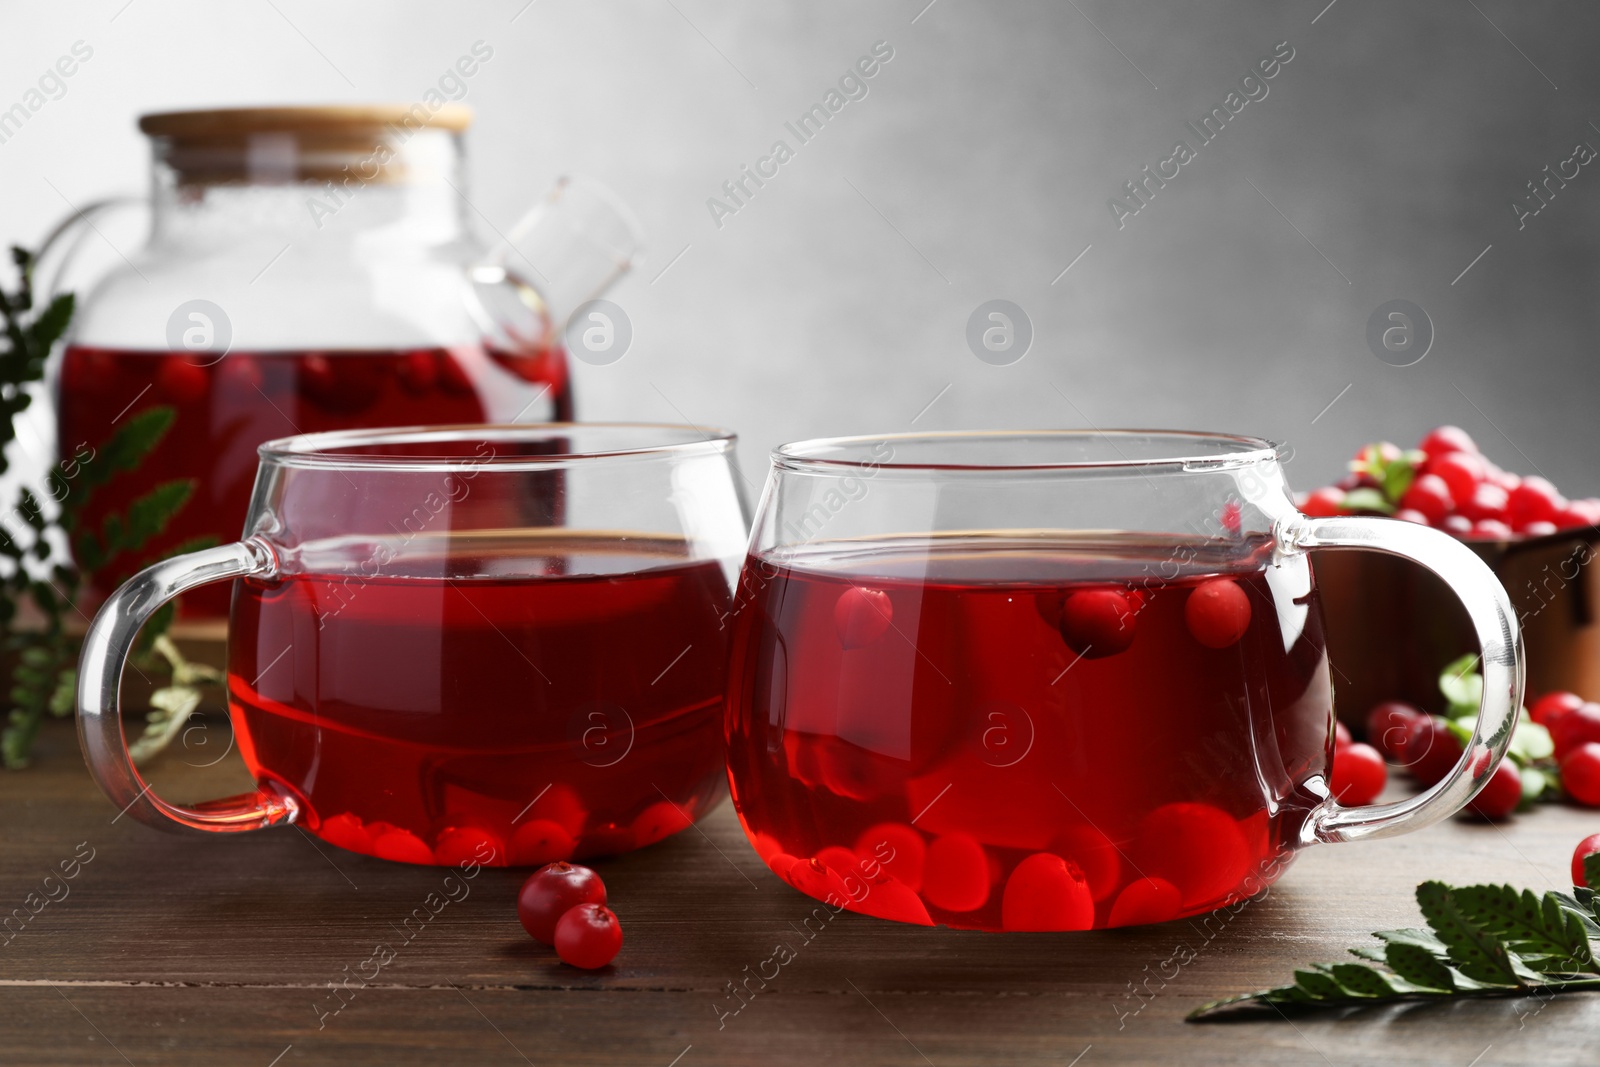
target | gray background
[{"x": 978, "y": 167}]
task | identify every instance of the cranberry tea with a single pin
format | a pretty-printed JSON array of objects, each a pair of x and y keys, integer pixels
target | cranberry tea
[
  {"x": 957, "y": 709},
  {"x": 422, "y": 713},
  {"x": 504, "y": 644},
  {"x": 1054, "y": 680}
]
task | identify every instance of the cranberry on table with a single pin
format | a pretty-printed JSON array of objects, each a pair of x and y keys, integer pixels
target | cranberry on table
[
  {"x": 1412, "y": 515},
  {"x": 1045, "y": 892},
  {"x": 1431, "y": 750},
  {"x": 1553, "y": 707},
  {"x": 1456, "y": 525},
  {"x": 1218, "y": 612},
  {"x": 1358, "y": 774},
  {"x": 1587, "y": 847},
  {"x": 1387, "y": 724},
  {"x": 1501, "y": 794},
  {"x": 1580, "y": 774},
  {"x": 551, "y": 892},
  {"x": 1097, "y": 622},
  {"x": 588, "y": 936},
  {"x": 1575, "y": 728},
  {"x": 1444, "y": 439}
]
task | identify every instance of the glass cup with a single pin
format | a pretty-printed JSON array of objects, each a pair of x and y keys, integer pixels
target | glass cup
[
  {"x": 501, "y": 643},
  {"x": 1056, "y": 680}
]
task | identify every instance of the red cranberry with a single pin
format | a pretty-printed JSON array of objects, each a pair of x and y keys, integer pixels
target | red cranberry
[
  {"x": 1387, "y": 725},
  {"x": 1447, "y": 439},
  {"x": 1587, "y": 847},
  {"x": 1095, "y": 854},
  {"x": 418, "y": 373},
  {"x": 1045, "y": 892},
  {"x": 345, "y": 830},
  {"x": 1097, "y": 622},
  {"x": 459, "y": 845},
  {"x": 1431, "y": 750},
  {"x": 1539, "y": 529},
  {"x": 1535, "y": 500},
  {"x": 400, "y": 846},
  {"x": 551, "y": 892},
  {"x": 1553, "y": 707},
  {"x": 588, "y": 936},
  {"x": 1218, "y": 612},
  {"x": 536, "y": 842},
  {"x": 1146, "y": 900},
  {"x": 1429, "y": 494},
  {"x": 1461, "y": 471},
  {"x": 1580, "y": 774},
  {"x": 1322, "y": 503},
  {"x": 182, "y": 381},
  {"x": 1577, "y": 727},
  {"x": 1412, "y": 515},
  {"x": 955, "y": 875},
  {"x": 1490, "y": 530},
  {"x": 899, "y": 847},
  {"x": 660, "y": 820},
  {"x": 1457, "y": 526},
  {"x": 1341, "y": 735},
  {"x": 862, "y": 615},
  {"x": 1358, "y": 774},
  {"x": 1488, "y": 501},
  {"x": 1501, "y": 794}
]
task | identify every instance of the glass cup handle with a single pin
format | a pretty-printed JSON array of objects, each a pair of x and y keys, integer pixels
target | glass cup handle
[
  {"x": 105, "y": 652},
  {"x": 1499, "y": 638}
]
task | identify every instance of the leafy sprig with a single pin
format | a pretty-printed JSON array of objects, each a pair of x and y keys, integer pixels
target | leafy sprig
[
  {"x": 1481, "y": 941},
  {"x": 44, "y": 677}
]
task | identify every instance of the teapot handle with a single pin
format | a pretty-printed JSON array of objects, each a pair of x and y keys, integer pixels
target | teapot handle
[
  {"x": 66, "y": 240},
  {"x": 1500, "y": 641}
]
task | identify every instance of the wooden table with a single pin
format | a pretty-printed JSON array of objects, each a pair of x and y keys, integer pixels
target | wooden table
[{"x": 175, "y": 950}]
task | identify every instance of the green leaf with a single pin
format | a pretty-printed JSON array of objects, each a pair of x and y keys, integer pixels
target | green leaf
[
  {"x": 51, "y": 323},
  {"x": 150, "y": 513},
  {"x": 1418, "y": 966},
  {"x": 1529, "y": 928},
  {"x": 1462, "y": 686},
  {"x": 1365, "y": 498},
  {"x": 1478, "y": 954},
  {"x": 1361, "y": 981},
  {"x": 134, "y": 440}
]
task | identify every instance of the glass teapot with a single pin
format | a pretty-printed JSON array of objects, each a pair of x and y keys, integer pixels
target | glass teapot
[{"x": 310, "y": 269}]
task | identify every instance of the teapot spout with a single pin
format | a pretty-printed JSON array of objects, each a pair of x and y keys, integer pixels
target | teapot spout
[{"x": 573, "y": 245}]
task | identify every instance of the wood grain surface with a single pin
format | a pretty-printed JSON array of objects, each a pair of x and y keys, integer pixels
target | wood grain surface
[{"x": 182, "y": 950}]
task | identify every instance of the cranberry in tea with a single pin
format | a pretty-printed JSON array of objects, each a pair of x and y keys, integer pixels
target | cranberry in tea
[
  {"x": 1015, "y": 733},
  {"x": 515, "y": 698}
]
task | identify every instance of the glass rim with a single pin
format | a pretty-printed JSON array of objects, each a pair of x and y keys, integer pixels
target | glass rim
[
  {"x": 1228, "y": 450},
  {"x": 341, "y": 449}
]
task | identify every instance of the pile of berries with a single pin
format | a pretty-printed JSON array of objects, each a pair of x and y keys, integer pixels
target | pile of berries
[
  {"x": 1557, "y": 744},
  {"x": 1445, "y": 482},
  {"x": 564, "y": 905}
]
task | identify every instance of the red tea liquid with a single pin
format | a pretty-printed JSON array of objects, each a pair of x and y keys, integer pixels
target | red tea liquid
[
  {"x": 538, "y": 696},
  {"x": 226, "y": 409},
  {"x": 917, "y": 723}
]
